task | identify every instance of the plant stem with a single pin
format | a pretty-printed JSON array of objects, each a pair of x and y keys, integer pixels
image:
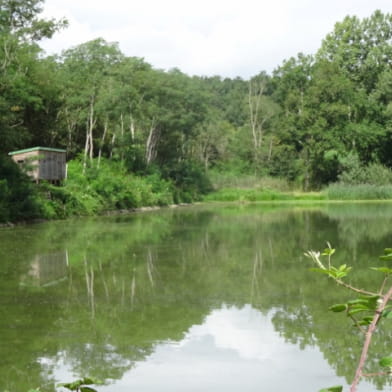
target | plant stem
[
  {"x": 352, "y": 288},
  {"x": 368, "y": 338}
]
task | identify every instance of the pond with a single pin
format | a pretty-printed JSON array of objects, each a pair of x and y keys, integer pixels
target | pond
[{"x": 203, "y": 298}]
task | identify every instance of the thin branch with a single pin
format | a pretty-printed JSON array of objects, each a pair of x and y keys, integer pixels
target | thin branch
[
  {"x": 383, "y": 284},
  {"x": 352, "y": 288},
  {"x": 357, "y": 324},
  {"x": 368, "y": 338},
  {"x": 376, "y": 374}
]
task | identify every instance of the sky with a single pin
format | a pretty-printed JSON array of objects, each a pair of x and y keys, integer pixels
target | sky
[{"x": 228, "y": 38}]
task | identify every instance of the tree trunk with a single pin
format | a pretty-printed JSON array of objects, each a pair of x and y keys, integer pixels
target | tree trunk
[
  {"x": 256, "y": 124},
  {"x": 105, "y": 129},
  {"x": 152, "y": 142},
  {"x": 92, "y": 122},
  {"x": 89, "y": 147}
]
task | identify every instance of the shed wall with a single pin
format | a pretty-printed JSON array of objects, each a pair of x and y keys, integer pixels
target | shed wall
[{"x": 43, "y": 165}]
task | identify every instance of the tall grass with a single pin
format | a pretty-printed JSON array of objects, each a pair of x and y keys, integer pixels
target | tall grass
[
  {"x": 358, "y": 192},
  {"x": 255, "y": 195},
  {"x": 225, "y": 180}
]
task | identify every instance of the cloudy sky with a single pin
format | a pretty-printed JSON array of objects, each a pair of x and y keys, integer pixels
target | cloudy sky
[{"x": 206, "y": 37}]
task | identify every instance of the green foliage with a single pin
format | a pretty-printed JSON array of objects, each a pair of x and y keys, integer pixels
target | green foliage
[
  {"x": 387, "y": 256},
  {"x": 356, "y": 174},
  {"x": 259, "y": 194},
  {"x": 108, "y": 187},
  {"x": 333, "y": 272},
  {"x": 18, "y": 197},
  {"x": 234, "y": 179},
  {"x": 358, "y": 192},
  {"x": 367, "y": 304},
  {"x": 366, "y": 310},
  {"x": 81, "y": 385},
  {"x": 317, "y": 120},
  {"x": 332, "y": 389},
  {"x": 189, "y": 179},
  {"x": 386, "y": 362}
]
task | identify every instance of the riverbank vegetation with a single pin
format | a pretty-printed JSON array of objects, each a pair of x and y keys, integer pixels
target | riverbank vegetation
[{"x": 138, "y": 136}]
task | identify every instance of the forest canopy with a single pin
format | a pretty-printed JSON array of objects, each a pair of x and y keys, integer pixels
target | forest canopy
[{"x": 316, "y": 119}]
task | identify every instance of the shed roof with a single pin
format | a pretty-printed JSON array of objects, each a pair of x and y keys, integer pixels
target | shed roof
[{"x": 36, "y": 149}]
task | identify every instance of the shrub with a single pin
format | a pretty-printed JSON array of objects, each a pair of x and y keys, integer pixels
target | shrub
[
  {"x": 190, "y": 181},
  {"x": 373, "y": 174},
  {"x": 18, "y": 197},
  {"x": 108, "y": 187}
]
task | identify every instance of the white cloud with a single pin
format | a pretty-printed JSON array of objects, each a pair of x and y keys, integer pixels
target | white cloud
[{"x": 209, "y": 37}]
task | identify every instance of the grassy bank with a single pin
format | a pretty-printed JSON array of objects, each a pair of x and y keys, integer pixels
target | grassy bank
[
  {"x": 256, "y": 195},
  {"x": 94, "y": 189},
  {"x": 109, "y": 186},
  {"x": 334, "y": 192},
  {"x": 358, "y": 192}
]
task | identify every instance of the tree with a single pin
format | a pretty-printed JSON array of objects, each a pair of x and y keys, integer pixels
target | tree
[
  {"x": 262, "y": 109},
  {"x": 85, "y": 70},
  {"x": 19, "y": 18},
  {"x": 362, "y": 48},
  {"x": 290, "y": 84},
  {"x": 20, "y": 30}
]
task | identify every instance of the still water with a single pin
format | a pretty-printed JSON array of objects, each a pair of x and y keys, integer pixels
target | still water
[{"x": 205, "y": 298}]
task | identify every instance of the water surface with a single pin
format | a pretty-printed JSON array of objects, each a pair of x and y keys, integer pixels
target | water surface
[{"x": 213, "y": 298}]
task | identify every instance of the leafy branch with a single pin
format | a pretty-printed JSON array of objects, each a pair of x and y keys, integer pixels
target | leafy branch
[
  {"x": 366, "y": 311},
  {"x": 81, "y": 385}
]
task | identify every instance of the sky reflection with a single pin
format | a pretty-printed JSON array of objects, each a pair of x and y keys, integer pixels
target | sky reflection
[{"x": 234, "y": 349}]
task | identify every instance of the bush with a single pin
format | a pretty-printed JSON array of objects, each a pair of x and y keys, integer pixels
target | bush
[
  {"x": 108, "y": 187},
  {"x": 355, "y": 174},
  {"x": 190, "y": 181},
  {"x": 19, "y": 199}
]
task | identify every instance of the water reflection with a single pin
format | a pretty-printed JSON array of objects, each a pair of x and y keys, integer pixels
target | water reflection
[
  {"x": 47, "y": 269},
  {"x": 233, "y": 349},
  {"x": 202, "y": 298}
]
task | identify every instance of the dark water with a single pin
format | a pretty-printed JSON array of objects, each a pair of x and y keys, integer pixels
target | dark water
[{"x": 216, "y": 298}]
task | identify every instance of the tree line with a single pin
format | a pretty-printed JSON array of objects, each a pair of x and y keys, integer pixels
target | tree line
[{"x": 314, "y": 120}]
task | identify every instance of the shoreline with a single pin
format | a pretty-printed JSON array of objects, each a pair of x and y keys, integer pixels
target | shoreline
[{"x": 5, "y": 225}]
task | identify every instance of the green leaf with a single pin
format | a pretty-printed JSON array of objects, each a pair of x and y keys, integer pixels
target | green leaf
[
  {"x": 72, "y": 386},
  {"x": 338, "y": 388},
  {"x": 362, "y": 307},
  {"x": 87, "y": 389},
  {"x": 343, "y": 267},
  {"x": 328, "y": 252},
  {"x": 387, "y": 257},
  {"x": 355, "y": 311},
  {"x": 387, "y": 314},
  {"x": 386, "y": 362},
  {"x": 90, "y": 381},
  {"x": 366, "y": 321},
  {"x": 384, "y": 270},
  {"x": 369, "y": 297},
  {"x": 387, "y": 251},
  {"x": 323, "y": 271},
  {"x": 357, "y": 301},
  {"x": 338, "y": 308}
]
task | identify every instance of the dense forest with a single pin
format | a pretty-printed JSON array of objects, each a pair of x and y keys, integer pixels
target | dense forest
[{"x": 318, "y": 119}]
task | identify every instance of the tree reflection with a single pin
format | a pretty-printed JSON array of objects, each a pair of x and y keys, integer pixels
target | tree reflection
[{"x": 135, "y": 281}]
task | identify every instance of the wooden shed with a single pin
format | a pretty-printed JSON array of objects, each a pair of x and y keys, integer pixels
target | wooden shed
[{"x": 42, "y": 163}]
